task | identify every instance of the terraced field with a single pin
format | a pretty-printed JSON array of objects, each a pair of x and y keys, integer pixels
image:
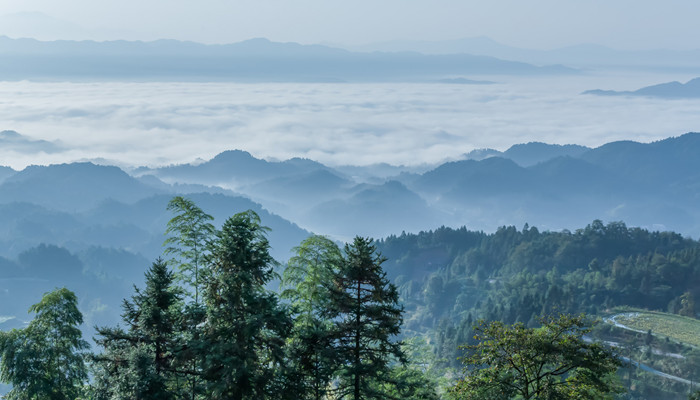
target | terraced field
[{"x": 676, "y": 327}]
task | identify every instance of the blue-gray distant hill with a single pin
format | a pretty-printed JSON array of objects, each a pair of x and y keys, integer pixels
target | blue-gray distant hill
[
  {"x": 531, "y": 153},
  {"x": 13, "y": 141},
  {"x": 252, "y": 60},
  {"x": 670, "y": 90},
  {"x": 96, "y": 228},
  {"x": 586, "y": 55},
  {"x": 554, "y": 186}
]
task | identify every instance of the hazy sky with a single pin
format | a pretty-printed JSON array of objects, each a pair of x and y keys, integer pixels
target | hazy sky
[{"x": 626, "y": 24}]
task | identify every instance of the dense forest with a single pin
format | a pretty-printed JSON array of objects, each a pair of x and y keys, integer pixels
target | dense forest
[
  {"x": 449, "y": 279},
  {"x": 418, "y": 316}
]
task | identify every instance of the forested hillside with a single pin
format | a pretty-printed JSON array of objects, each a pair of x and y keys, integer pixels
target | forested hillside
[
  {"x": 451, "y": 278},
  {"x": 438, "y": 286}
]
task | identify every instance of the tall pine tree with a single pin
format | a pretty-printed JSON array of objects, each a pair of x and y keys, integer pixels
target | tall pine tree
[
  {"x": 142, "y": 362},
  {"x": 365, "y": 307}
]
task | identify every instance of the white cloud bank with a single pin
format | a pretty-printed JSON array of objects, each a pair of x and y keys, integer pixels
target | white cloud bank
[{"x": 164, "y": 123}]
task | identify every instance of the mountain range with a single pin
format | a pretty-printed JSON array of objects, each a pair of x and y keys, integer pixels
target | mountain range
[
  {"x": 97, "y": 228},
  {"x": 669, "y": 90},
  {"x": 584, "y": 56},
  {"x": 252, "y": 60}
]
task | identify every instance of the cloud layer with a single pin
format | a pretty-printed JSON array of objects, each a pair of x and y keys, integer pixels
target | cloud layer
[{"x": 164, "y": 123}]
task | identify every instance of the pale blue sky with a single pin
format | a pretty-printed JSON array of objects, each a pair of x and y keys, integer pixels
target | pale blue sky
[{"x": 544, "y": 24}]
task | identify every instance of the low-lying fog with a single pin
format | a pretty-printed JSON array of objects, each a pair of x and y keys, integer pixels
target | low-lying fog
[{"x": 336, "y": 124}]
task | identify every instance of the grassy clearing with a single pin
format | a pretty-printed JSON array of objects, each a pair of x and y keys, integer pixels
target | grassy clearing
[{"x": 676, "y": 327}]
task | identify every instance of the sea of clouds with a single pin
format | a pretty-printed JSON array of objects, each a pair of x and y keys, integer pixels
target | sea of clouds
[{"x": 133, "y": 124}]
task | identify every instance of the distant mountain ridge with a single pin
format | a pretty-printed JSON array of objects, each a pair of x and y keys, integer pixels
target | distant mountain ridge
[
  {"x": 669, "y": 90},
  {"x": 527, "y": 154},
  {"x": 11, "y": 140},
  {"x": 581, "y": 55},
  {"x": 95, "y": 218},
  {"x": 649, "y": 184},
  {"x": 251, "y": 60}
]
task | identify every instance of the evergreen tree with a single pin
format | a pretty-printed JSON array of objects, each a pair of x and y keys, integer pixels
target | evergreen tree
[
  {"x": 141, "y": 363},
  {"x": 307, "y": 278},
  {"x": 190, "y": 231},
  {"x": 45, "y": 360},
  {"x": 365, "y": 307},
  {"x": 245, "y": 329}
]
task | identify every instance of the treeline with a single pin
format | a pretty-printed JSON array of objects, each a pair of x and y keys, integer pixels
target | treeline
[{"x": 211, "y": 329}]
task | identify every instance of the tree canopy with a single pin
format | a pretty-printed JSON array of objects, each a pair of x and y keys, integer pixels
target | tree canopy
[
  {"x": 551, "y": 362},
  {"x": 46, "y": 360}
]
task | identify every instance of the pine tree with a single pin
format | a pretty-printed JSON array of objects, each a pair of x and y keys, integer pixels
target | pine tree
[
  {"x": 45, "y": 360},
  {"x": 142, "y": 362},
  {"x": 307, "y": 277},
  {"x": 366, "y": 309},
  {"x": 245, "y": 327}
]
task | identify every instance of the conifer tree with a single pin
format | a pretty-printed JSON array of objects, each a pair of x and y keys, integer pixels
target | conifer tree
[
  {"x": 45, "y": 360},
  {"x": 141, "y": 362},
  {"x": 365, "y": 307},
  {"x": 245, "y": 328}
]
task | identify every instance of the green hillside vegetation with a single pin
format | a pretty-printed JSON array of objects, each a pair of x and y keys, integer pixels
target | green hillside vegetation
[
  {"x": 390, "y": 319},
  {"x": 449, "y": 279}
]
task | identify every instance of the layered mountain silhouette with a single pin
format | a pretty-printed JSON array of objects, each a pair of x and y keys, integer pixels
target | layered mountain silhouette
[
  {"x": 97, "y": 228},
  {"x": 251, "y": 60},
  {"x": 653, "y": 185},
  {"x": 586, "y": 55},
  {"x": 79, "y": 205},
  {"x": 670, "y": 90},
  {"x": 13, "y": 141}
]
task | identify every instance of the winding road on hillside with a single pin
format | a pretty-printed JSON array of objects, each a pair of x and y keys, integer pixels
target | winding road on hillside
[{"x": 644, "y": 367}]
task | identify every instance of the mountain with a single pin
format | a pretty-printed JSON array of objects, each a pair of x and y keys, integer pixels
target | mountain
[
  {"x": 72, "y": 187},
  {"x": 234, "y": 168},
  {"x": 528, "y": 154},
  {"x": 13, "y": 141},
  {"x": 6, "y": 172},
  {"x": 666, "y": 162},
  {"x": 670, "y": 90},
  {"x": 374, "y": 210},
  {"x": 649, "y": 184},
  {"x": 532, "y": 153},
  {"x": 307, "y": 187},
  {"x": 251, "y": 60},
  {"x": 584, "y": 55}
]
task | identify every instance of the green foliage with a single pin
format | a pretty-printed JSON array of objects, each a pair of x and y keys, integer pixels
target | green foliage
[
  {"x": 549, "y": 362},
  {"x": 406, "y": 383},
  {"x": 447, "y": 275},
  {"x": 190, "y": 230},
  {"x": 366, "y": 310},
  {"x": 45, "y": 360},
  {"x": 245, "y": 329},
  {"x": 310, "y": 352},
  {"x": 142, "y": 363}
]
